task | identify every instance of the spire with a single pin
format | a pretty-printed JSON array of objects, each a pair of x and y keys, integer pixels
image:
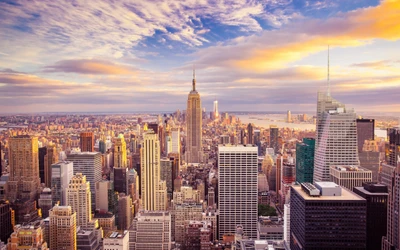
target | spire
[
  {"x": 329, "y": 84},
  {"x": 194, "y": 79}
]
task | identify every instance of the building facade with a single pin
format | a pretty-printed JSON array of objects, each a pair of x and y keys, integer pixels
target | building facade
[
  {"x": 305, "y": 160},
  {"x": 365, "y": 131},
  {"x": 62, "y": 228},
  {"x": 194, "y": 126},
  {"x": 87, "y": 142},
  {"x": 237, "y": 189},
  {"x": 61, "y": 175}
]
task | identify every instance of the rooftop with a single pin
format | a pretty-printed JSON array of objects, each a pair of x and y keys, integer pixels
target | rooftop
[
  {"x": 349, "y": 168},
  {"x": 347, "y": 195}
]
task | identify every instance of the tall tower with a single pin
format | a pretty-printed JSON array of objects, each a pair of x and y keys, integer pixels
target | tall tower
[
  {"x": 150, "y": 171},
  {"x": 120, "y": 158},
  {"x": 78, "y": 197},
  {"x": 62, "y": 228},
  {"x": 24, "y": 178},
  {"x": 87, "y": 142},
  {"x": 216, "y": 114},
  {"x": 237, "y": 189},
  {"x": 194, "y": 125},
  {"x": 250, "y": 133}
]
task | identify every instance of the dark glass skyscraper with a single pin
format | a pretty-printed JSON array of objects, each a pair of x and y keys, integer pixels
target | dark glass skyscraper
[
  {"x": 305, "y": 160},
  {"x": 273, "y": 138},
  {"x": 365, "y": 131},
  {"x": 377, "y": 200}
]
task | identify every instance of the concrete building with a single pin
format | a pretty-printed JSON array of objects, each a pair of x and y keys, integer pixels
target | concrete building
[
  {"x": 47, "y": 156},
  {"x": 194, "y": 126},
  {"x": 286, "y": 224},
  {"x": 150, "y": 173},
  {"x": 116, "y": 241},
  {"x": 61, "y": 175},
  {"x": 62, "y": 228},
  {"x": 336, "y": 142},
  {"x": 350, "y": 176},
  {"x": 306, "y": 229},
  {"x": 23, "y": 183},
  {"x": 87, "y": 142},
  {"x": 89, "y": 164},
  {"x": 376, "y": 196},
  {"x": 106, "y": 197},
  {"x": 365, "y": 131},
  {"x": 28, "y": 236},
  {"x": 166, "y": 174},
  {"x": 151, "y": 230},
  {"x": 176, "y": 140},
  {"x": 182, "y": 214},
  {"x": 270, "y": 228},
  {"x": 5, "y": 220},
  {"x": 87, "y": 240},
  {"x": 273, "y": 138},
  {"x": 120, "y": 156},
  {"x": 237, "y": 189},
  {"x": 106, "y": 221},
  {"x": 45, "y": 202},
  {"x": 125, "y": 211},
  {"x": 78, "y": 197}
]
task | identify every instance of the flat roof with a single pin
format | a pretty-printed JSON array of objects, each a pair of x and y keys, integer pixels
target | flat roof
[
  {"x": 326, "y": 184},
  {"x": 362, "y": 189},
  {"x": 347, "y": 195},
  {"x": 237, "y": 148}
]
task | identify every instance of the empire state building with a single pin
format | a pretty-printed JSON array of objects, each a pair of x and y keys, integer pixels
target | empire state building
[{"x": 194, "y": 125}]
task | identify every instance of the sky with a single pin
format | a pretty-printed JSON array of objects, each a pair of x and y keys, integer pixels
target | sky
[{"x": 250, "y": 55}]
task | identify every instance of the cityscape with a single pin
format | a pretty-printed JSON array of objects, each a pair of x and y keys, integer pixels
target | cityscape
[{"x": 200, "y": 125}]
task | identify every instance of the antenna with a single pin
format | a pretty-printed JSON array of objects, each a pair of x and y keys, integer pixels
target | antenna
[
  {"x": 329, "y": 83},
  {"x": 194, "y": 78}
]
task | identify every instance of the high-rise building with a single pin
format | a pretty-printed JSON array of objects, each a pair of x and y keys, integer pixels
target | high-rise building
[
  {"x": 193, "y": 126},
  {"x": 166, "y": 174},
  {"x": 176, "y": 140},
  {"x": 390, "y": 177},
  {"x": 350, "y": 176},
  {"x": 106, "y": 197},
  {"x": 5, "y": 221},
  {"x": 50, "y": 158},
  {"x": 124, "y": 211},
  {"x": 168, "y": 143},
  {"x": 288, "y": 178},
  {"x": 78, "y": 197},
  {"x": 182, "y": 214},
  {"x": 89, "y": 164},
  {"x": 88, "y": 240},
  {"x": 45, "y": 202},
  {"x": 61, "y": 175},
  {"x": 120, "y": 156},
  {"x": 376, "y": 196},
  {"x": 28, "y": 236},
  {"x": 215, "y": 110},
  {"x": 150, "y": 171},
  {"x": 250, "y": 133},
  {"x": 326, "y": 227},
  {"x": 273, "y": 138},
  {"x": 151, "y": 230},
  {"x": 237, "y": 189},
  {"x": 289, "y": 116},
  {"x": 24, "y": 180},
  {"x": 62, "y": 228},
  {"x": 365, "y": 131},
  {"x": 336, "y": 142},
  {"x": 23, "y": 183},
  {"x": 305, "y": 160},
  {"x": 87, "y": 142},
  {"x": 393, "y": 147},
  {"x": 121, "y": 179}
]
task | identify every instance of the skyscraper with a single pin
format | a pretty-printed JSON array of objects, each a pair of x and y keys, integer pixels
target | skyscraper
[
  {"x": 176, "y": 140},
  {"x": 289, "y": 116},
  {"x": 305, "y": 160},
  {"x": 365, "y": 131},
  {"x": 89, "y": 164},
  {"x": 215, "y": 110},
  {"x": 78, "y": 197},
  {"x": 273, "y": 138},
  {"x": 377, "y": 201},
  {"x": 337, "y": 220},
  {"x": 87, "y": 142},
  {"x": 336, "y": 142},
  {"x": 250, "y": 133},
  {"x": 62, "y": 228},
  {"x": 61, "y": 175},
  {"x": 393, "y": 150},
  {"x": 150, "y": 170},
  {"x": 120, "y": 156},
  {"x": 237, "y": 189},
  {"x": 5, "y": 221},
  {"x": 124, "y": 211},
  {"x": 193, "y": 126}
]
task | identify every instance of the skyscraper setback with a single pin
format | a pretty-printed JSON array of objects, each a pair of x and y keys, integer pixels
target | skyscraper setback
[{"x": 193, "y": 125}]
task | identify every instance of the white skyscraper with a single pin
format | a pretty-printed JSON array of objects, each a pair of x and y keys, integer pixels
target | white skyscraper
[
  {"x": 336, "y": 142},
  {"x": 176, "y": 140},
  {"x": 216, "y": 114},
  {"x": 61, "y": 174},
  {"x": 237, "y": 189},
  {"x": 78, "y": 197},
  {"x": 150, "y": 170},
  {"x": 89, "y": 164}
]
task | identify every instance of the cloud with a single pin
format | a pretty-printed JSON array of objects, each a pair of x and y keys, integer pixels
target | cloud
[
  {"x": 277, "y": 48},
  {"x": 376, "y": 64},
  {"x": 86, "y": 66}
]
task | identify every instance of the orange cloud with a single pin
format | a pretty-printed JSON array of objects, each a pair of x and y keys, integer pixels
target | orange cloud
[{"x": 271, "y": 50}]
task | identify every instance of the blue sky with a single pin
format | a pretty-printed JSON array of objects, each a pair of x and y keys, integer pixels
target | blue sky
[{"x": 251, "y": 55}]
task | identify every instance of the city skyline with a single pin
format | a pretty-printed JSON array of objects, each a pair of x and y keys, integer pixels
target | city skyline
[{"x": 250, "y": 55}]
